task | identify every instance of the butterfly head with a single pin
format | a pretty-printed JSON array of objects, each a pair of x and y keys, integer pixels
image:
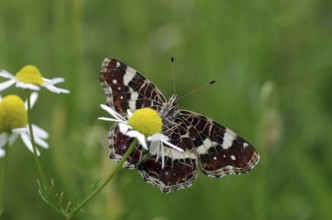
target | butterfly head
[{"x": 169, "y": 109}]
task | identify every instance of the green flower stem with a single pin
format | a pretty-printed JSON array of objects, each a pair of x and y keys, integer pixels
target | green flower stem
[
  {"x": 3, "y": 177},
  {"x": 38, "y": 165},
  {"x": 110, "y": 177}
]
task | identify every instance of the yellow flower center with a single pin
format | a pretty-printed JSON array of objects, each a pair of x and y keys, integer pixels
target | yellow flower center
[
  {"x": 146, "y": 121},
  {"x": 12, "y": 113},
  {"x": 30, "y": 74}
]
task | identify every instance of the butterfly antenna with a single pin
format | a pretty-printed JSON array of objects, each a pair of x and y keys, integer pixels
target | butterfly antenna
[
  {"x": 173, "y": 75},
  {"x": 199, "y": 88}
]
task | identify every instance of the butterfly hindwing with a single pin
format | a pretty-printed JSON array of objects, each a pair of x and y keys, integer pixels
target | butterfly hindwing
[
  {"x": 219, "y": 150},
  {"x": 180, "y": 167},
  {"x": 177, "y": 173},
  {"x": 119, "y": 144}
]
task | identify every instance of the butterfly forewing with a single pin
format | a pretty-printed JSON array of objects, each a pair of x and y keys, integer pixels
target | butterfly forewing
[
  {"x": 125, "y": 88},
  {"x": 217, "y": 150}
]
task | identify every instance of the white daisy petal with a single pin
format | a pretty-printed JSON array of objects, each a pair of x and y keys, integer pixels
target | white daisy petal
[
  {"x": 140, "y": 137},
  {"x": 134, "y": 134},
  {"x": 157, "y": 137},
  {"x": 33, "y": 100},
  {"x": 27, "y": 86},
  {"x": 129, "y": 113},
  {"x": 54, "y": 80},
  {"x": 65, "y": 91},
  {"x": 3, "y": 139},
  {"x": 2, "y": 152},
  {"x": 50, "y": 85},
  {"x": 154, "y": 147},
  {"x": 39, "y": 132},
  {"x": 162, "y": 157},
  {"x": 39, "y": 136},
  {"x": 51, "y": 88},
  {"x": 124, "y": 128},
  {"x": 172, "y": 145},
  {"x": 164, "y": 139},
  {"x": 108, "y": 119},
  {"x": 12, "y": 138},
  {"x": 26, "y": 139},
  {"x": 41, "y": 142},
  {"x": 47, "y": 81},
  {"x": 54, "y": 89},
  {"x": 6, "y": 74},
  {"x": 112, "y": 112},
  {"x": 7, "y": 84},
  {"x": 108, "y": 109},
  {"x": 20, "y": 130}
]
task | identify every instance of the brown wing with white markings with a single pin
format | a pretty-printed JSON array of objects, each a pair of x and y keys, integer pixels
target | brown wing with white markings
[
  {"x": 125, "y": 88},
  {"x": 180, "y": 169},
  {"x": 219, "y": 150}
]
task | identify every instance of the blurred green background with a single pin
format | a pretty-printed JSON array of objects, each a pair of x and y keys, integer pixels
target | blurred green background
[{"x": 272, "y": 61}]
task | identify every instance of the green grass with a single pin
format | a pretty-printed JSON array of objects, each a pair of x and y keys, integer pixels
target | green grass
[{"x": 247, "y": 47}]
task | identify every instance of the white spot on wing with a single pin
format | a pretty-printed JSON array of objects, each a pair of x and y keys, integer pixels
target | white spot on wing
[
  {"x": 133, "y": 97},
  {"x": 228, "y": 139},
  {"x": 233, "y": 157},
  {"x": 204, "y": 147},
  {"x": 245, "y": 145},
  {"x": 114, "y": 81},
  {"x": 207, "y": 144},
  {"x": 186, "y": 135},
  {"x": 128, "y": 77}
]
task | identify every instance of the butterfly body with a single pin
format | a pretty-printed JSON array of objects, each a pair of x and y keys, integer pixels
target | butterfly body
[
  {"x": 206, "y": 144},
  {"x": 169, "y": 110}
]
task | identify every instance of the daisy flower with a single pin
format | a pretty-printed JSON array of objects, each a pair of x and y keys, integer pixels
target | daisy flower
[
  {"x": 145, "y": 125},
  {"x": 29, "y": 77},
  {"x": 14, "y": 123}
]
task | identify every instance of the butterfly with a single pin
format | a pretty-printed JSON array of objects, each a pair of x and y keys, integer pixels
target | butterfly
[{"x": 206, "y": 144}]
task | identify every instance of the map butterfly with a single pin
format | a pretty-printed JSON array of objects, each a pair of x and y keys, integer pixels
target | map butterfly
[{"x": 206, "y": 144}]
